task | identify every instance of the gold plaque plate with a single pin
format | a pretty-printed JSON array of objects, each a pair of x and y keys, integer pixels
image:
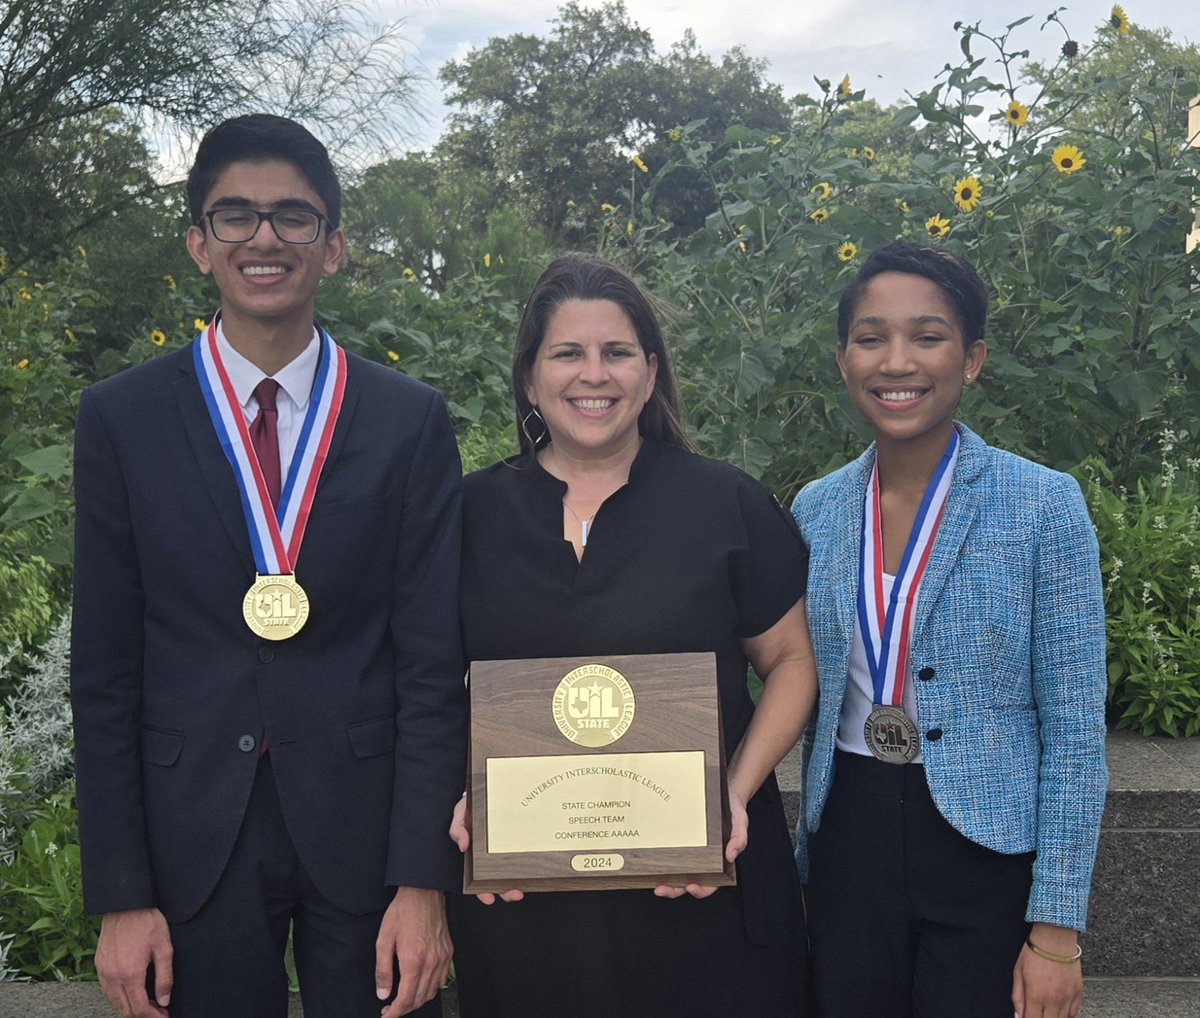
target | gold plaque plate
[
  {"x": 592, "y": 773},
  {"x": 618, "y": 801},
  {"x": 275, "y": 607}
]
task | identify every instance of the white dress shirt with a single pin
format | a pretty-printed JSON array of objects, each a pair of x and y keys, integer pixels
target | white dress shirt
[{"x": 295, "y": 389}]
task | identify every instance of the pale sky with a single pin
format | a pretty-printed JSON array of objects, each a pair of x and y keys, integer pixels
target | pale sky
[{"x": 886, "y": 48}]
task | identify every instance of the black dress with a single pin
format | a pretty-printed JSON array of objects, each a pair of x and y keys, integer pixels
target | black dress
[{"x": 690, "y": 555}]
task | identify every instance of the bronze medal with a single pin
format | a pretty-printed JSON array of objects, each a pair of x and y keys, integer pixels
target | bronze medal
[
  {"x": 275, "y": 607},
  {"x": 891, "y": 735}
]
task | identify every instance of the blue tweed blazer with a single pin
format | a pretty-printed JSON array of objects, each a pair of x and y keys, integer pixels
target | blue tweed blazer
[{"x": 1008, "y": 638}]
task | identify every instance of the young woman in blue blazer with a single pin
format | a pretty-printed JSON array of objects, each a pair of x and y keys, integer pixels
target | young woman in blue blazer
[{"x": 955, "y": 771}]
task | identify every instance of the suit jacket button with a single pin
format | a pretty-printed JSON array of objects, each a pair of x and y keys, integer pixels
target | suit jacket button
[
  {"x": 266, "y": 655},
  {"x": 925, "y": 674},
  {"x": 933, "y": 734},
  {"x": 246, "y": 743}
]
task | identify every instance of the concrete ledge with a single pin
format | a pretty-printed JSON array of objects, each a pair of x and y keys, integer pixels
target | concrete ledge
[
  {"x": 1102, "y": 998},
  {"x": 1145, "y": 904},
  {"x": 1144, "y": 916}
]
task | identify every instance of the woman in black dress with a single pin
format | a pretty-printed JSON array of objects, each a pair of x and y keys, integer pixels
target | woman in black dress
[{"x": 608, "y": 535}]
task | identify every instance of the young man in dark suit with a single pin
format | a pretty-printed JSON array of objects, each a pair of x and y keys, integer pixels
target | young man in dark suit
[{"x": 267, "y": 681}]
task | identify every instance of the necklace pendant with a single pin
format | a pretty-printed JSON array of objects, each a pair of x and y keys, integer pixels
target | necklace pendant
[{"x": 583, "y": 532}]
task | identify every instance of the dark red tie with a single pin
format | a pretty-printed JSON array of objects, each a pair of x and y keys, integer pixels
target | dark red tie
[{"x": 264, "y": 435}]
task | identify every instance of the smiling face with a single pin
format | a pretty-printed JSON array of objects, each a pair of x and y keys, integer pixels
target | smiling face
[
  {"x": 905, "y": 361},
  {"x": 590, "y": 379},
  {"x": 264, "y": 281}
]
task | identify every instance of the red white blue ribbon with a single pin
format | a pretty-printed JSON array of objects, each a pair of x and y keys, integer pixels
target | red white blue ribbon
[
  {"x": 276, "y": 532},
  {"x": 887, "y": 629}
]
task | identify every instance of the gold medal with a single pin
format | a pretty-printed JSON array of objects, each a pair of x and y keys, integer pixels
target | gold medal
[
  {"x": 891, "y": 736},
  {"x": 275, "y": 607}
]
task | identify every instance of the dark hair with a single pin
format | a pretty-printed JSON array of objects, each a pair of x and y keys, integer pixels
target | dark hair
[
  {"x": 254, "y": 138},
  {"x": 588, "y": 277},
  {"x": 951, "y": 273}
]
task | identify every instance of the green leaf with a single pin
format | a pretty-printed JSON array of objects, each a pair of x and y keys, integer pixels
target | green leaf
[{"x": 53, "y": 462}]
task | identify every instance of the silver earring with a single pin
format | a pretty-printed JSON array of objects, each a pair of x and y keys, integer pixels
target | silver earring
[
  {"x": 968, "y": 376},
  {"x": 534, "y": 413}
]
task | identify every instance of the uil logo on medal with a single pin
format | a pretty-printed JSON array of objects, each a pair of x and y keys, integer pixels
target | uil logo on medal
[
  {"x": 275, "y": 607},
  {"x": 891, "y": 736},
  {"x": 593, "y": 705}
]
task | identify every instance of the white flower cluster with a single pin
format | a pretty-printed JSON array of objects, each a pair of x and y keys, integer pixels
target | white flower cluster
[{"x": 35, "y": 734}]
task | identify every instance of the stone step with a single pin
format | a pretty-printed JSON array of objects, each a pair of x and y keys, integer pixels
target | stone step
[
  {"x": 1104, "y": 997},
  {"x": 1144, "y": 917}
]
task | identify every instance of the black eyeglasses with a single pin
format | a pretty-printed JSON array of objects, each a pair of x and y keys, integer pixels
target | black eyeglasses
[{"x": 292, "y": 226}]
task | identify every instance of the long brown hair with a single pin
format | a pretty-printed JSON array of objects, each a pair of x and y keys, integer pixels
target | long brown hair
[{"x": 588, "y": 277}]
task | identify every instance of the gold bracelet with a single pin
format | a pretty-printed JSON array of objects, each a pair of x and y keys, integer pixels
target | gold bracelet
[{"x": 1062, "y": 959}]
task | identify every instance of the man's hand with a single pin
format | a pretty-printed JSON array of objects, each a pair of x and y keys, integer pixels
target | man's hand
[
  {"x": 412, "y": 935},
  {"x": 130, "y": 942}
]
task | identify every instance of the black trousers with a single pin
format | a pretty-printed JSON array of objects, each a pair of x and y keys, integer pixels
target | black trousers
[
  {"x": 907, "y": 917},
  {"x": 229, "y": 957}
]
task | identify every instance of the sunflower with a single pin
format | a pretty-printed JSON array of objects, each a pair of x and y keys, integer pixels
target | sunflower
[
  {"x": 937, "y": 227},
  {"x": 1067, "y": 159},
  {"x": 199, "y": 325},
  {"x": 22, "y": 364},
  {"x": 158, "y": 337},
  {"x": 637, "y": 161},
  {"x": 844, "y": 87},
  {"x": 1118, "y": 21},
  {"x": 821, "y": 190},
  {"x": 675, "y": 134},
  {"x": 1070, "y": 49},
  {"x": 868, "y": 153},
  {"x": 1016, "y": 114},
  {"x": 847, "y": 252},
  {"x": 393, "y": 356},
  {"x": 966, "y": 193},
  {"x": 819, "y": 215}
]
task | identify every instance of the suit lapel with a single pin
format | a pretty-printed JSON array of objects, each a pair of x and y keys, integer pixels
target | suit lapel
[
  {"x": 847, "y": 511},
  {"x": 344, "y": 422},
  {"x": 218, "y": 476},
  {"x": 962, "y": 506}
]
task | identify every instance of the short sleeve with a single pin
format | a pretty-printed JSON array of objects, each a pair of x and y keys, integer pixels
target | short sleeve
[{"x": 770, "y": 569}]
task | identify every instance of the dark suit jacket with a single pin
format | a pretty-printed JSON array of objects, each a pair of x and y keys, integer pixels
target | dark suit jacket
[{"x": 365, "y": 707}]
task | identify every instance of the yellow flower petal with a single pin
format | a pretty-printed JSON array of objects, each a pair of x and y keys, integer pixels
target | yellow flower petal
[
  {"x": 966, "y": 193},
  {"x": 1067, "y": 159},
  {"x": 937, "y": 227},
  {"x": 1015, "y": 115}
]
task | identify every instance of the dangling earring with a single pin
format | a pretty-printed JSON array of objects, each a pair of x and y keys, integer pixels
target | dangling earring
[{"x": 533, "y": 442}]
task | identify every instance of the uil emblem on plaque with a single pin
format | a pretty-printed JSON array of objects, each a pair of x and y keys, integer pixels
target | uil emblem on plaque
[{"x": 593, "y": 705}]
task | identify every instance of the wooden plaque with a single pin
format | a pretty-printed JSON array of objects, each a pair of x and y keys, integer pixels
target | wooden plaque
[{"x": 596, "y": 773}]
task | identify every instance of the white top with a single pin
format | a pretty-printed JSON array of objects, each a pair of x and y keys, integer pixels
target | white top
[
  {"x": 860, "y": 693},
  {"x": 295, "y": 389}
]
